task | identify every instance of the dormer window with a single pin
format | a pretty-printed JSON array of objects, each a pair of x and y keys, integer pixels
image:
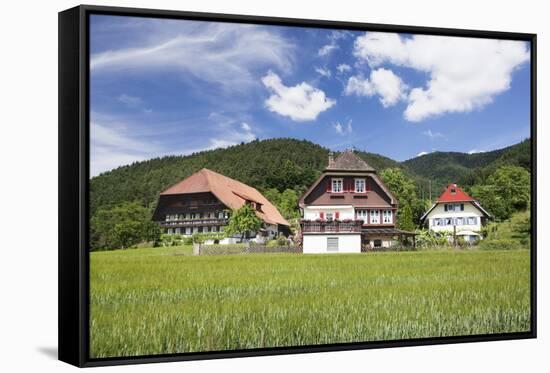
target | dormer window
[
  {"x": 360, "y": 186},
  {"x": 453, "y": 190},
  {"x": 337, "y": 185}
]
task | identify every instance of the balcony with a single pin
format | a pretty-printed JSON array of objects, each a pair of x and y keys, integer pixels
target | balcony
[
  {"x": 193, "y": 222},
  {"x": 331, "y": 226}
]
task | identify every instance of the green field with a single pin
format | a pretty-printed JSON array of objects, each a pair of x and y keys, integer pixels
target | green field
[{"x": 162, "y": 300}]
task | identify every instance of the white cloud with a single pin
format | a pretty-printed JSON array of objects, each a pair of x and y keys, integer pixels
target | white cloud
[
  {"x": 112, "y": 145},
  {"x": 433, "y": 135},
  {"x": 382, "y": 82},
  {"x": 323, "y": 72},
  {"x": 464, "y": 73},
  {"x": 115, "y": 144},
  {"x": 327, "y": 49},
  {"x": 220, "y": 53},
  {"x": 475, "y": 151},
  {"x": 131, "y": 101},
  {"x": 245, "y": 126},
  {"x": 343, "y": 67},
  {"x": 300, "y": 103},
  {"x": 343, "y": 129},
  {"x": 422, "y": 153}
]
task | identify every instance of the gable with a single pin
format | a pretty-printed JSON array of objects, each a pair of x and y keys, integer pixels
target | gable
[
  {"x": 470, "y": 207},
  {"x": 320, "y": 192}
]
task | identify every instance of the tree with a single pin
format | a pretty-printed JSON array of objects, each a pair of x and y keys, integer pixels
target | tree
[
  {"x": 512, "y": 184},
  {"x": 507, "y": 190},
  {"x": 400, "y": 185},
  {"x": 122, "y": 226},
  {"x": 403, "y": 188},
  {"x": 405, "y": 220},
  {"x": 242, "y": 221}
]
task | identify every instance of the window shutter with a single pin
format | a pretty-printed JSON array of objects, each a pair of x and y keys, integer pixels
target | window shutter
[
  {"x": 322, "y": 215},
  {"x": 329, "y": 185},
  {"x": 337, "y": 215},
  {"x": 446, "y": 207},
  {"x": 461, "y": 207}
]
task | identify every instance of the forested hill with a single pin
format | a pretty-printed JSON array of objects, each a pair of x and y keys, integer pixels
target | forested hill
[
  {"x": 276, "y": 163},
  {"x": 443, "y": 168},
  {"x": 286, "y": 164}
]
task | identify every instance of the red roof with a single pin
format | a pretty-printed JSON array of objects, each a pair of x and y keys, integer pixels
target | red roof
[
  {"x": 230, "y": 192},
  {"x": 454, "y": 194}
]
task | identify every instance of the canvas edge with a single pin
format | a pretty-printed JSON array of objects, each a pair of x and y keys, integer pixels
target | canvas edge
[{"x": 73, "y": 282}]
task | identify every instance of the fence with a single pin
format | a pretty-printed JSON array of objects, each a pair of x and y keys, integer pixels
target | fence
[{"x": 243, "y": 249}]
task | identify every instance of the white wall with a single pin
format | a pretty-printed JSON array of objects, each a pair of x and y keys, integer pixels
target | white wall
[
  {"x": 312, "y": 212},
  {"x": 469, "y": 210},
  {"x": 317, "y": 243}
]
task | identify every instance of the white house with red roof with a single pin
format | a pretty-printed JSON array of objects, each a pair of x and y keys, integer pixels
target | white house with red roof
[{"x": 455, "y": 211}]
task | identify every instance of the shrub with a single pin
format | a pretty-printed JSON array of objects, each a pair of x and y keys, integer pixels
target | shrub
[
  {"x": 500, "y": 244},
  {"x": 272, "y": 243},
  {"x": 281, "y": 240}
]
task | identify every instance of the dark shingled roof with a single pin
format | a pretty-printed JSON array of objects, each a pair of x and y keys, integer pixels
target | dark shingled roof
[{"x": 348, "y": 161}]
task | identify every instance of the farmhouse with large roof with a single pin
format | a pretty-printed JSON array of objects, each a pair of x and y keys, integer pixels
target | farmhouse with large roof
[
  {"x": 200, "y": 204},
  {"x": 348, "y": 208},
  {"x": 455, "y": 212}
]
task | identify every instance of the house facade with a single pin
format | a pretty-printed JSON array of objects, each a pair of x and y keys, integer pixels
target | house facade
[
  {"x": 456, "y": 213},
  {"x": 201, "y": 203},
  {"x": 348, "y": 208}
]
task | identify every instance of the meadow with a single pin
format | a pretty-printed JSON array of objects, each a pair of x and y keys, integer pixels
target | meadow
[{"x": 163, "y": 300}]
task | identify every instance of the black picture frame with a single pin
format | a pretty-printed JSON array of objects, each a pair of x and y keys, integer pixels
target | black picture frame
[{"x": 74, "y": 176}]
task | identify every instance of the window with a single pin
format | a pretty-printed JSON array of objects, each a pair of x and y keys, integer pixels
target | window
[
  {"x": 387, "y": 217},
  {"x": 377, "y": 243},
  {"x": 454, "y": 207},
  {"x": 188, "y": 230},
  {"x": 374, "y": 216},
  {"x": 453, "y": 190},
  {"x": 448, "y": 221},
  {"x": 337, "y": 185},
  {"x": 360, "y": 186},
  {"x": 170, "y": 231},
  {"x": 193, "y": 216},
  {"x": 436, "y": 222},
  {"x": 332, "y": 243},
  {"x": 472, "y": 220},
  {"x": 361, "y": 215},
  {"x": 459, "y": 221},
  {"x": 330, "y": 215}
]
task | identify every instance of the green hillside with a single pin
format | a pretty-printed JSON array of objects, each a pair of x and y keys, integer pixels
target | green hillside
[
  {"x": 443, "y": 168},
  {"x": 290, "y": 164},
  {"x": 276, "y": 163}
]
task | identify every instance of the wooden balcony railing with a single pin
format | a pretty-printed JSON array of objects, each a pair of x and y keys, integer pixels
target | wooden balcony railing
[
  {"x": 193, "y": 222},
  {"x": 331, "y": 226}
]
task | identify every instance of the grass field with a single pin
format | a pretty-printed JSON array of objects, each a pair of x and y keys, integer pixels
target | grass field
[{"x": 162, "y": 300}]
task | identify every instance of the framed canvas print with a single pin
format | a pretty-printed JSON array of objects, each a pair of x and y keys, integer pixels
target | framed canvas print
[{"x": 234, "y": 186}]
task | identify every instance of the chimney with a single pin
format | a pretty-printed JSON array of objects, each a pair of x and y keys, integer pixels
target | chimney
[{"x": 330, "y": 158}]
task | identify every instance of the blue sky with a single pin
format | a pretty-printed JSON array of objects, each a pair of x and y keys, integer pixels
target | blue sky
[{"x": 164, "y": 87}]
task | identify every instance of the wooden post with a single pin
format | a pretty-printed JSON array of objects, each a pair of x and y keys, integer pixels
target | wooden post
[
  {"x": 454, "y": 235},
  {"x": 196, "y": 248}
]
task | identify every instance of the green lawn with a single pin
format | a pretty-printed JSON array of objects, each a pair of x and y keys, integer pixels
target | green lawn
[{"x": 162, "y": 300}]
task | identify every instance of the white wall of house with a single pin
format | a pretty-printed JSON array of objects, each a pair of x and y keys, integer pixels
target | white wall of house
[
  {"x": 469, "y": 211},
  {"x": 318, "y": 243},
  {"x": 314, "y": 212}
]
